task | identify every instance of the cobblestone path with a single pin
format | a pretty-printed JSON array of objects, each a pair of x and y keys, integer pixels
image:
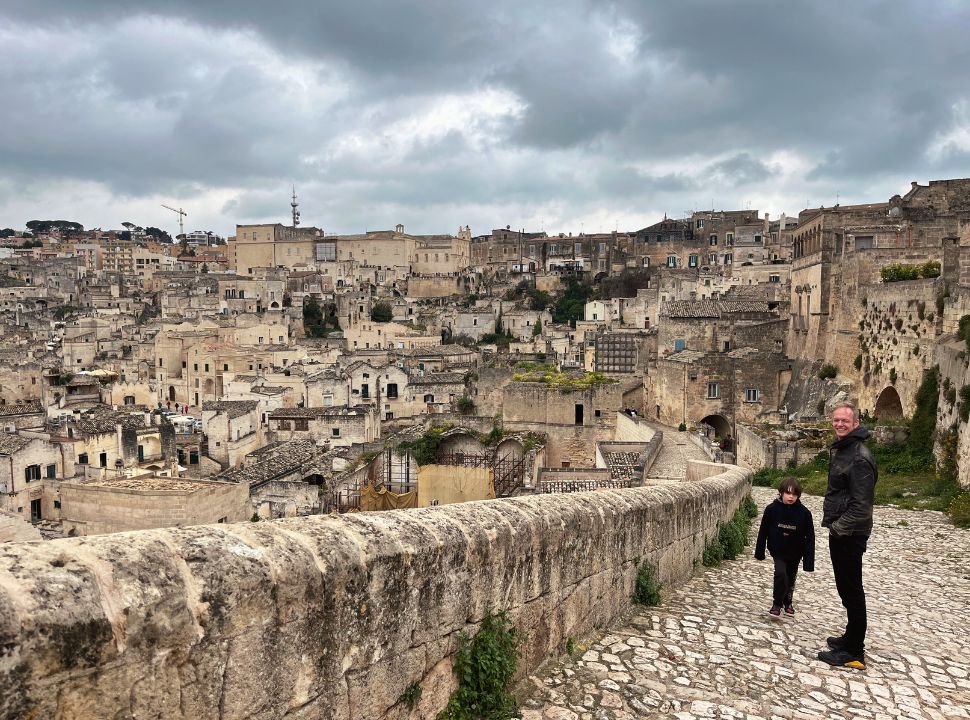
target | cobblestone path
[
  {"x": 674, "y": 453},
  {"x": 711, "y": 650}
]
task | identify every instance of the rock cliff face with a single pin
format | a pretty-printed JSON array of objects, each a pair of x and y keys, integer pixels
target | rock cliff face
[{"x": 327, "y": 616}]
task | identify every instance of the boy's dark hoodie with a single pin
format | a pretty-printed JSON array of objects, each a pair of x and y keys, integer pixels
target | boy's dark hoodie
[{"x": 789, "y": 533}]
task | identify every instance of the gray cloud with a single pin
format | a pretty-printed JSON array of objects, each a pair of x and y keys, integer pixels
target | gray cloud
[{"x": 443, "y": 113}]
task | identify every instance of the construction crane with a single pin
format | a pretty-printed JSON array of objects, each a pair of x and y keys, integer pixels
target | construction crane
[{"x": 181, "y": 214}]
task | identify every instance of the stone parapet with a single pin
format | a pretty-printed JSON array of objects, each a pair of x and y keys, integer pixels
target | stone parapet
[{"x": 328, "y": 616}]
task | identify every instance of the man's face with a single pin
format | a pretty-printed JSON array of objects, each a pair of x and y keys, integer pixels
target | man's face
[{"x": 844, "y": 422}]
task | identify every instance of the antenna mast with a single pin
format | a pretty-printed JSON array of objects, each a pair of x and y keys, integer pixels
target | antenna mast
[{"x": 295, "y": 205}]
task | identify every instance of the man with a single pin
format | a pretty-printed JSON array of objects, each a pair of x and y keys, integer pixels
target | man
[{"x": 847, "y": 513}]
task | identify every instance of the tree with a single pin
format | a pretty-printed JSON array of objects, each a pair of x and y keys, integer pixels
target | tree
[
  {"x": 381, "y": 312},
  {"x": 45, "y": 226},
  {"x": 158, "y": 234},
  {"x": 312, "y": 315},
  {"x": 537, "y": 329},
  {"x": 569, "y": 307},
  {"x": 7, "y": 232},
  {"x": 205, "y": 267}
]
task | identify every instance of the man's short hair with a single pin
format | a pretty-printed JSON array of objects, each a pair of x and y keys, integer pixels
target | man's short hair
[{"x": 848, "y": 406}]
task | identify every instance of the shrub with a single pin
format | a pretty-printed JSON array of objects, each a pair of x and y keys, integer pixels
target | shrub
[
  {"x": 750, "y": 507},
  {"x": 827, "y": 372},
  {"x": 899, "y": 271},
  {"x": 930, "y": 269},
  {"x": 733, "y": 537},
  {"x": 767, "y": 477},
  {"x": 647, "y": 589},
  {"x": 959, "y": 510},
  {"x": 713, "y": 554},
  {"x": 940, "y": 301},
  {"x": 381, "y": 312},
  {"x": 485, "y": 666},
  {"x": 964, "y": 330},
  {"x": 465, "y": 405},
  {"x": 682, "y": 427}
]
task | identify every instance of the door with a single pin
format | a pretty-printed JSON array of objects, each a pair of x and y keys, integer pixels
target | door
[{"x": 35, "y": 510}]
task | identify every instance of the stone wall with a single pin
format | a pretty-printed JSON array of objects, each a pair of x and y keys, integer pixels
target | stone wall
[
  {"x": 630, "y": 429},
  {"x": 328, "y": 616}
]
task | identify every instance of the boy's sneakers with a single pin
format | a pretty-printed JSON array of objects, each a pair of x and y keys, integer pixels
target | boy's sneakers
[
  {"x": 843, "y": 658},
  {"x": 775, "y": 611},
  {"x": 790, "y": 610}
]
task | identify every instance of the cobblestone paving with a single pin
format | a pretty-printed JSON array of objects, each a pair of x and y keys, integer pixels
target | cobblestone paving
[
  {"x": 674, "y": 453},
  {"x": 711, "y": 650}
]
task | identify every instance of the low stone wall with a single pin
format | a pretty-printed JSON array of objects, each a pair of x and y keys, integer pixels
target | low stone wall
[{"x": 328, "y": 616}]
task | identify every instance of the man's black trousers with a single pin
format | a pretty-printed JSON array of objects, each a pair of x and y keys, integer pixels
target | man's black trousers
[
  {"x": 784, "y": 582},
  {"x": 846, "y": 552}
]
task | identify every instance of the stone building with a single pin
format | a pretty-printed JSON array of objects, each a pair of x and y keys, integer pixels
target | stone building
[
  {"x": 233, "y": 430},
  {"x": 336, "y": 426}
]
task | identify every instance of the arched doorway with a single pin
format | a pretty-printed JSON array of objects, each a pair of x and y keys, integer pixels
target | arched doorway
[
  {"x": 889, "y": 405},
  {"x": 722, "y": 429},
  {"x": 171, "y": 393}
]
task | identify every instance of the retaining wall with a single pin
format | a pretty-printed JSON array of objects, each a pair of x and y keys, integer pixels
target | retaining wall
[{"x": 328, "y": 616}]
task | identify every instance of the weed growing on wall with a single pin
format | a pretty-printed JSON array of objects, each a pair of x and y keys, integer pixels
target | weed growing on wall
[
  {"x": 647, "y": 589},
  {"x": 485, "y": 666},
  {"x": 411, "y": 696}
]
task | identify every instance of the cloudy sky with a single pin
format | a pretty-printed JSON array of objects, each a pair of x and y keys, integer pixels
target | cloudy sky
[{"x": 562, "y": 115}]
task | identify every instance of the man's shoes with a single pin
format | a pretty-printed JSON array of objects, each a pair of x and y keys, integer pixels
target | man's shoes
[
  {"x": 790, "y": 610},
  {"x": 836, "y": 643},
  {"x": 843, "y": 658},
  {"x": 775, "y": 611}
]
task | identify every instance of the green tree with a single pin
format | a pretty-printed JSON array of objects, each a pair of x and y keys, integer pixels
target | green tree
[
  {"x": 381, "y": 312},
  {"x": 537, "y": 329},
  {"x": 569, "y": 306},
  {"x": 312, "y": 315}
]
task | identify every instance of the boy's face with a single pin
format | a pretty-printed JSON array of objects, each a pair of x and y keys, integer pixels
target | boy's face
[{"x": 788, "y": 497}]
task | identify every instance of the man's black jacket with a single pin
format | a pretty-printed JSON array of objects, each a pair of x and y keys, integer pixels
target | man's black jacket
[
  {"x": 847, "y": 509},
  {"x": 789, "y": 533}
]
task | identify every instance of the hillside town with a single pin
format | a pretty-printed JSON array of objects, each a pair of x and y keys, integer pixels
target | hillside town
[{"x": 152, "y": 381}]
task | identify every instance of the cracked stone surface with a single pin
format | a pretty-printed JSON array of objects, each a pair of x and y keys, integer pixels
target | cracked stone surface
[{"x": 711, "y": 651}]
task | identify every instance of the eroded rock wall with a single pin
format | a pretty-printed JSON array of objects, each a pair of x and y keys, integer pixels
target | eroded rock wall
[{"x": 327, "y": 616}]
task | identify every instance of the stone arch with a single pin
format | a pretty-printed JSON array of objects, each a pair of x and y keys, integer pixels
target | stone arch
[
  {"x": 209, "y": 387},
  {"x": 722, "y": 428},
  {"x": 510, "y": 446},
  {"x": 171, "y": 393},
  {"x": 888, "y": 404}
]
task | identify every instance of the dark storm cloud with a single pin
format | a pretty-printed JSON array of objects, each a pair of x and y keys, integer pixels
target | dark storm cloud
[{"x": 623, "y": 105}]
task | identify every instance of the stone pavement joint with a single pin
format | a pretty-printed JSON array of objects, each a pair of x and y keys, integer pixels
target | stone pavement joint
[{"x": 711, "y": 651}]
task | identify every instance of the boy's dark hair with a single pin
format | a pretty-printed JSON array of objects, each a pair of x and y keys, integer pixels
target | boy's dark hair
[{"x": 790, "y": 484}]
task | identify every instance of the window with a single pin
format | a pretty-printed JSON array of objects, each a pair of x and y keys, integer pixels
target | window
[
  {"x": 757, "y": 239},
  {"x": 335, "y": 432},
  {"x": 207, "y": 367},
  {"x": 671, "y": 261},
  {"x": 774, "y": 278},
  {"x": 752, "y": 395},
  {"x": 712, "y": 258},
  {"x": 225, "y": 366},
  {"x": 679, "y": 344},
  {"x": 52, "y": 471},
  {"x": 392, "y": 391},
  {"x": 184, "y": 364},
  {"x": 103, "y": 459},
  {"x": 32, "y": 472},
  {"x": 713, "y": 390},
  {"x": 700, "y": 223},
  {"x": 82, "y": 459},
  {"x": 129, "y": 399},
  {"x": 692, "y": 261},
  {"x": 712, "y": 240},
  {"x": 728, "y": 258},
  {"x": 301, "y": 424},
  {"x": 646, "y": 262},
  {"x": 729, "y": 239},
  {"x": 429, "y": 398},
  {"x": 260, "y": 339}
]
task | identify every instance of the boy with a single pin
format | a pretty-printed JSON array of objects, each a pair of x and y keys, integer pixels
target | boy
[{"x": 786, "y": 528}]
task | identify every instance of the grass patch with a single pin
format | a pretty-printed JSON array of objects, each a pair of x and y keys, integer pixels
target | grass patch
[{"x": 564, "y": 382}]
